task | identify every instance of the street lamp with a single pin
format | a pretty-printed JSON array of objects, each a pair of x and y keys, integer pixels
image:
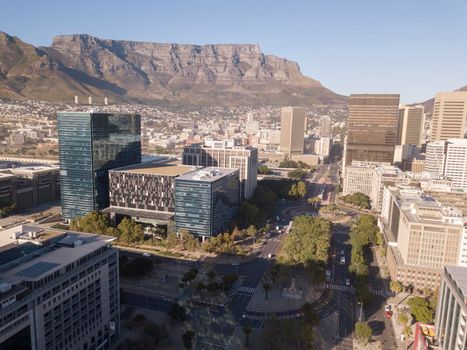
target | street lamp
[{"x": 361, "y": 309}]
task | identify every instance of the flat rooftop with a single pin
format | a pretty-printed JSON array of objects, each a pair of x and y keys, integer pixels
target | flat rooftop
[
  {"x": 459, "y": 276},
  {"x": 208, "y": 174},
  {"x": 157, "y": 168}
]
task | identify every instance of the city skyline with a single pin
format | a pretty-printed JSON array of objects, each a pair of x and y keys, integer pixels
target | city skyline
[{"x": 360, "y": 49}]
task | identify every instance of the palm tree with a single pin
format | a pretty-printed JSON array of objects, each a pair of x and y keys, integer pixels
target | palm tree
[
  {"x": 267, "y": 286},
  {"x": 247, "y": 330}
]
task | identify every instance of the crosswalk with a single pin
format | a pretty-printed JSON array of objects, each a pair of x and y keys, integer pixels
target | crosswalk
[
  {"x": 338, "y": 287},
  {"x": 246, "y": 290},
  {"x": 378, "y": 292}
]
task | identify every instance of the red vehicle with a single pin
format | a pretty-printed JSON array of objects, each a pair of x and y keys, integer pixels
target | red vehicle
[{"x": 388, "y": 310}]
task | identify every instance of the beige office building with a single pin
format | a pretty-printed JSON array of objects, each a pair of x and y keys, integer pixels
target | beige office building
[
  {"x": 449, "y": 115},
  {"x": 371, "y": 128},
  {"x": 292, "y": 130},
  {"x": 411, "y": 122}
]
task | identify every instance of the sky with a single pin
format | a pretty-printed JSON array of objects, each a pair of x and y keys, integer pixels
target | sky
[{"x": 412, "y": 47}]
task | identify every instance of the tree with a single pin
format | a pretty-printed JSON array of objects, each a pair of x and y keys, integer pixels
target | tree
[
  {"x": 297, "y": 174},
  {"x": 200, "y": 286},
  {"x": 420, "y": 309},
  {"x": 177, "y": 313},
  {"x": 251, "y": 232},
  {"x": 92, "y": 222},
  {"x": 358, "y": 199},
  {"x": 263, "y": 170},
  {"x": 187, "y": 338},
  {"x": 211, "y": 275},
  {"x": 213, "y": 287},
  {"x": 288, "y": 164},
  {"x": 402, "y": 318},
  {"x": 314, "y": 201},
  {"x": 130, "y": 231},
  {"x": 247, "y": 214},
  {"x": 267, "y": 286},
  {"x": 407, "y": 331},
  {"x": 395, "y": 286},
  {"x": 301, "y": 189},
  {"x": 247, "y": 330},
  {"x": 286, "y": 334},
  {"x": 363, "y": 332},
  {"x": 310, "y": 315},
  {"x": 190, "y": 275},
  {"x": 228, "y": 281}
]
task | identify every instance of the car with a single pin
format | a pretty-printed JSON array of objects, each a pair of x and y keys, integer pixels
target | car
[
  {"x": 328, "y": 275},
  {"x": 277, "y": 228},
  {"x": 387, "y": 308},
  {"x": 146, "y": 254},
  {"x": 342, "y": 252},
  {"x": 269, "y": 255},
  {"x": 347, "y": 282},
  {"x": 278, "y": 218},
  {"x": 342, "y": 261},
  {"x": 235, "y": 263}
]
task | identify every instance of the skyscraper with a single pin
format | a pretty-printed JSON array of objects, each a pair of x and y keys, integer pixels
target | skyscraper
[
  {"x": 411, "y": 123},
  {"x": 372, "y": 128},
  {"x": 89, "y": 145},
  {"x": 292, "y": 130},
  {"x": 449, "y": 115},
  {"x": 325, "y": 126}
]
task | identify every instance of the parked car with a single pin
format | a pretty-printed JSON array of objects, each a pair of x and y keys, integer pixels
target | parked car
[
  {"x": 342, "y": 261},
  {"x": 146, "y": 254},
  {"x": 347, "y": 282},
  {"x": 328, "y": 275}
]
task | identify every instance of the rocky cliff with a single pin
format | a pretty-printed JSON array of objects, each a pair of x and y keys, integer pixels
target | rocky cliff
[{"x": 230, "y": 74}]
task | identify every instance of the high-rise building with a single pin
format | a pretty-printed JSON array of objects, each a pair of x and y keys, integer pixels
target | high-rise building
[
  {"x": 58, "y": 290},
  {"x": 224, "y": 154},
  {"x": 206, "y": 200},
  {"x": 448, "y": 158},
  {"x": 325, "y": 126},
  {"x": 455, "y": 167},
  {"x": 372, "y": 128},
  {"x": 451, "y": 313},
  {"x": 422, "y": 236},
  {"x": 449, "y": 115},
  {"x": 89, "y": 145},
  {"x": 252, "y": 125},
  {"x": 292, "y": 130},
  {"x": 411, "y": 125}
]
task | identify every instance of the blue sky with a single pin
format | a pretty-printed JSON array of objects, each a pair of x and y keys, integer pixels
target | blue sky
[{"x": 411, "y": 47}]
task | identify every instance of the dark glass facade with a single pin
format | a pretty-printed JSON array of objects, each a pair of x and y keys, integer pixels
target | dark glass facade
[
  {"x": 204, "y": 208},
  {"x": 89, "y": 145}
]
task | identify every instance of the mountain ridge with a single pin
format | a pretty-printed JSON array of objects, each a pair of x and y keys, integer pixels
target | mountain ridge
[{"x": 145, "y": 72}]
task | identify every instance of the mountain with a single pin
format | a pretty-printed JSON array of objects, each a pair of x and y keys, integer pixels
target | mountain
[
  {"x": 129, "y": 71},
  {"x": 428, "y": 104}
]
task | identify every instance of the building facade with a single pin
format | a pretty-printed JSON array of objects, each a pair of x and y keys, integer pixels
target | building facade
[
  {"x": 372, "y": 128},
  {"x": 89, "y": 145},
  {"x": 206, "y": 200},
  {"x": 325, "y": 126},
  {"x": 223, "y": 155},
  {"x": 451, "y": 313},
  {"x": 411, "y": 125},
  {"x": 29, "y": 185},
  {"x": 292, "y": 130},
  {"x": 58, "y": 290},
  {"x": 449, "y": 115}
]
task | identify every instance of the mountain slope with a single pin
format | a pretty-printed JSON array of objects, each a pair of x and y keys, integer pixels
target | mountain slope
[{"x": 154, "y": 73}]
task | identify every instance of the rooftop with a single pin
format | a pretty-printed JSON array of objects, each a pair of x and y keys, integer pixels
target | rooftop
[
  {"x": 157, "y": 168},
  {"x": 459, "y": 276},
  {"x": 208, "y": 174}
]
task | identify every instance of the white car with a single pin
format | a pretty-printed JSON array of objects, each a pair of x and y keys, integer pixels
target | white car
[
  {"x": 269, "y": 255},
  {"x": 342, "y": 261},
  {"x": 347, "y": 282},
  {"x": 387, "y": 308},
  {"x": 146, "y": 254},
  {"x": 235, "y": 263}
]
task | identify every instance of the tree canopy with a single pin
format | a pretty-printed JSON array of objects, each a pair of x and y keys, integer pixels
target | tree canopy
[
  {"x": 358, "y": 199},
  {"x": 421, "y": 310},
  {"x": 286, "y": 334},
  {"x": 363, "y": 332}
]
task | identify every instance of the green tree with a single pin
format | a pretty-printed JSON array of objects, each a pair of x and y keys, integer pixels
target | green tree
[
  {"x": 402, "y": 318},
  {"x": 297, "y": 174},
  {"x": 251, "y": 232},
  {"x": 187, "y": 339},
  {"x": 228, "y": 281},
  {"x": 248, "y": 214},
  {"x": 247, "y": 330},
  {"x": 130, "y": 231},
  {"x": 420, "y": 309},
  {"x": 358, "y": 199},
  {"x": 177, "y": 313},
  {"x": 310, "y": 315},
  {"x": 286, "y": 334},
  {"x": 288, "y": 164},
  {"x": 314, "y": 201},
  {"x": 263, "y": 170},
  {"x": 92, "y": 222},
  {"x": 395, "y": 286},
  {"x": 301, "y": 189},
  {"x": 407, "y": 331},
  {"x": 363, "y": 332},
  {"x": 211, "y": 275}
]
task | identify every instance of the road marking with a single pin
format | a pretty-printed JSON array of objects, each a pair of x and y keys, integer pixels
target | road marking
[{"x": 246, "y": 290}]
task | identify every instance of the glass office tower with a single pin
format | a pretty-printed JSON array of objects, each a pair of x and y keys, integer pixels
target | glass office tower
[
  {"x": 206, "y": 200},
  {"x": 89, "y": 145}
]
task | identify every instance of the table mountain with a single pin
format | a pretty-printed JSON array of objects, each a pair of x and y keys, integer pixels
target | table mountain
[{"x": 129, "y": 71}]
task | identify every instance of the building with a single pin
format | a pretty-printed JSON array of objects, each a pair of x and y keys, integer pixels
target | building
[
  {"x": 27, "y": 186},
  {"x": 448, "y": 158},
  {"x": 224, "y": 154},
  {"x": 206, "y": 200},
  {"x": 372, "y": 128},
  {"x": 384, "y": 175},
  {"x": 435, "y": 157},
  {"x": 145, "y": 191},
  {"x": 422, "y": 236},
  {"x": 455, "y": 167},
  {"x": 451, "y": 313},
  {"x": 358, "y": 177},
  {"x": 89, "y": 145},
  {"x": 449, "y": 115},
  {"x": 58, "y": 290},
  {"x": 325, "y": 126},
  {"x": 251, "y": 125},
  {"x": 292, "y": 130},
  {"x": 411, "y": 125}
]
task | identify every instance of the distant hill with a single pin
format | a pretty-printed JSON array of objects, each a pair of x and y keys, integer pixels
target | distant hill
[
  {"x": 428, "y": 104},
  {"x": 129, "y": 71}
]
